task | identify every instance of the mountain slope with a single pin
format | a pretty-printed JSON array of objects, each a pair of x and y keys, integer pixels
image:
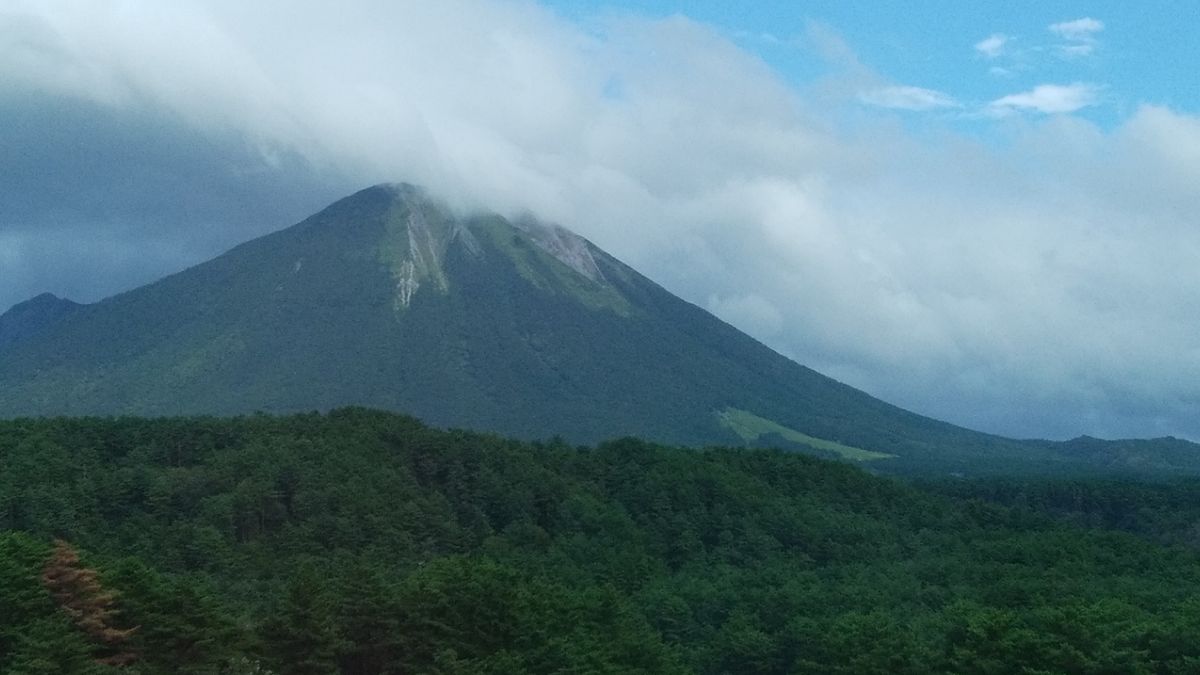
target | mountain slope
[{"x": 387, "y": 299}]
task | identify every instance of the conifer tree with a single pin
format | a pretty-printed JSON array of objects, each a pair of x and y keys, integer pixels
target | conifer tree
[
  {"x": 77, "y": 592},
  {"x": 301, "y": 634},
  {"x": 183, "y": 628},
  {"x": 368, "y": 622}
]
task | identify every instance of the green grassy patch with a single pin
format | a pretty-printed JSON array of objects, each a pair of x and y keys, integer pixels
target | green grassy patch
[{"x": 750, "y": 427}]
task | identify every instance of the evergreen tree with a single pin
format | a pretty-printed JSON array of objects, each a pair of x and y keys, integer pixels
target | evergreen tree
[
  {"x": 35, "y": 637},
  {"x": 368, "y": 623},
  {"x": 183, "y": 629},
  {"x": 301, "y": 635},
  {"x": 78, "y": 592},
  {"x": 51, "y": 646}
]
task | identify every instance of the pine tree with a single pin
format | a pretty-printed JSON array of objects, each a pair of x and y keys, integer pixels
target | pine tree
[
  {"x": 367, "y": 618},
  {"x": 183, "y": 627},
  {"x": 301, "y": 634},
  {"x": 77, "y": 591},
  {"x": 51, "y": 646},
  {"x": 35, "y": 637}
]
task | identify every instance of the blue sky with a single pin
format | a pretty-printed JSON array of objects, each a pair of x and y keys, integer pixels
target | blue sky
[
  {"x": 1135, "y": 53},
  {"x": 983, "y": 212}
]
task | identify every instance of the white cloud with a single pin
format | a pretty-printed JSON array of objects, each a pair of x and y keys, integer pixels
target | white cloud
[
  {"x": 1078, "y": 30},
  {"x": 1048, "y": 99},
  {"x": 765, "y": 38},
  {"x": 992, "y": 46},
  {"x": 751, "y": 313},
  {"x": 1080, "y": 36},
  {"x": 908, "y": 98},
  {"x": 1048, "y": 287}
]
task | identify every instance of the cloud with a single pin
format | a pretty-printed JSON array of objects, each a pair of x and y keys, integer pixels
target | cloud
[
  {"x": 992, "y": 46},
  {"x": 1078, "y": 30},
  {"x": 751, "y": 311},
  {"x": 908, "y": 98},
  {"x": 1045, "y": 286},
  {"x": 1048, "y": 99},
  {"x": 1079, "y": 34},
  {"x": 765, "y": 38}
]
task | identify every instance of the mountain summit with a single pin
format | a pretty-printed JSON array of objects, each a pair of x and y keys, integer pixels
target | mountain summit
[{"x": 388, "y": 299}]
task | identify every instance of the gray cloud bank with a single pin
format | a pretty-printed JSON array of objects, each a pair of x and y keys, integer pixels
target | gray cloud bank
[{"x": 1043, "y": 285}]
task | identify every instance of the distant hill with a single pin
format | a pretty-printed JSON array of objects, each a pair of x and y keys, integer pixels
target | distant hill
[
  {"x": 388, "y": 299},
  {"x": 27, "y": 319}
]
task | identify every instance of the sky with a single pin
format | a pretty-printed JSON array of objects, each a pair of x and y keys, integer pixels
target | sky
[{"x": 982, "y": 212}]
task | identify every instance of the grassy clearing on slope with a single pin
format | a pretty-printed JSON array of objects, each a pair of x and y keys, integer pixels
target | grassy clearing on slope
[{"x": 750, "y": 427}]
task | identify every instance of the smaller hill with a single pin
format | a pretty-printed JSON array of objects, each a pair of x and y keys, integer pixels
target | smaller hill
[{"x": 28, "y": 319}]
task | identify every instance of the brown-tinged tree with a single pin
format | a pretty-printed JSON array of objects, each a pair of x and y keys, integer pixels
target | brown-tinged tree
[{"x": 78, "y": 592}]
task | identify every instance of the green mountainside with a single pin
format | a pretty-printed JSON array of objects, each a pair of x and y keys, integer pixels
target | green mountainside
[
  {"x": 363, "y": 542},
  {"x": 390, "y": 300}
]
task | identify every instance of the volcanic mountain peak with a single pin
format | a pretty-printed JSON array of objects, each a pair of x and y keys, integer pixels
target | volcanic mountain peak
[
  {"x": 419, "y": 232},
  {"x": 389, "y": 299}
]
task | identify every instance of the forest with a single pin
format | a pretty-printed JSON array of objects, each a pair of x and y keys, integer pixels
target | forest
[{"x": 364, "y": 542}]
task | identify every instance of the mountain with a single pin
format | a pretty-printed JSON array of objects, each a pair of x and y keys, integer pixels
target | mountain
[
  {"x": 25, "y": 320},
  {"x": 389, "y": 299}
]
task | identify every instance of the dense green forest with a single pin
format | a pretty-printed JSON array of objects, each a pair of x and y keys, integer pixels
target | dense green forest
[{"x": 364, "y": 542}]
